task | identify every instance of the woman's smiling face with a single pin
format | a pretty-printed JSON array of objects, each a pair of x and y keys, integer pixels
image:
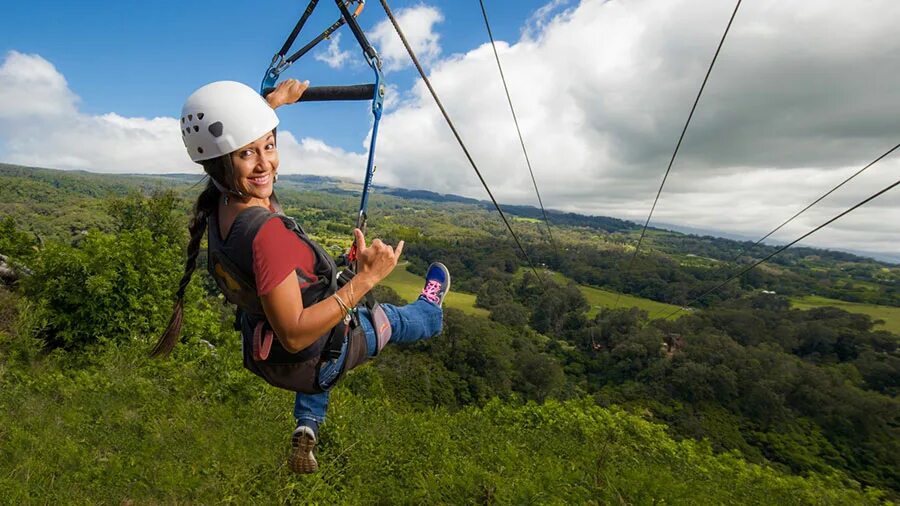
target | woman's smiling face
[{"x": 255, "y": 165}]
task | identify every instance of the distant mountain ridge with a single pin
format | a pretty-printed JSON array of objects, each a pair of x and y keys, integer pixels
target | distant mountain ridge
[
  {"x": 347, "y": 186},
  {"x": 340, "y": 185}
]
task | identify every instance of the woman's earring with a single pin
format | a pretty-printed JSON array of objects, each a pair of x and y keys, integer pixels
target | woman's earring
[
  {"x": 275, "y": 178},
  {"x": 226, "y": 199}
]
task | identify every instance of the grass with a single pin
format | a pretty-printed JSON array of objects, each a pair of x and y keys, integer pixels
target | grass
[
  {"x": 890, "y": 315},
  {"x": 599, "y": 298},
  {"x": 408, "y": 285},
  {"x": 603, "y": 298},
  {"x": 197, "y": 429}
]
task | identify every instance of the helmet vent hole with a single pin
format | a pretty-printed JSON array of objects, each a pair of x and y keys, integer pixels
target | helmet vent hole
[
  {"x": 196, "y": 128},
  {"x": 190, "y": 117},
  {"x": 200, "y": 150},
  {"x": 182, "y": 119},
  {"x": 216, "y": 129},
  {"x": 199, "y": 115}
]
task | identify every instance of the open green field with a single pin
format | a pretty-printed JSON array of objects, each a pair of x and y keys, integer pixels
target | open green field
[
  {"x": 890, "y": 315},
  {"x": 599, "y": 298},
  {"x": 603, "y": 298},
  {"x": 408, "y": 285}
]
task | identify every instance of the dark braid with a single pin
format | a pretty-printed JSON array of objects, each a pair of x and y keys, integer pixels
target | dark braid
[
  {"x": 220, "y": 170},
  {"x": 203, "y": 209}
]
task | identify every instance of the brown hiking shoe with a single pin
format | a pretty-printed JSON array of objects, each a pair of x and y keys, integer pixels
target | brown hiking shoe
[{"x": 303, "y": 442}]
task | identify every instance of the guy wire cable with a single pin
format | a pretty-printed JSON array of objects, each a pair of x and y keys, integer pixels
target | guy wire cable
[
  {"x": 829, "y": 192},
  {"x": 516, "y": 121},
  {"x": 680, "y": 139},
  {"x": 779, "y": 250},
  {"x": 437, "y": 100}
]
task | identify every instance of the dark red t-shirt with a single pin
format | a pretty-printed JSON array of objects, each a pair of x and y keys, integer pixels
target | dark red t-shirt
[{"x": 277, "y": 253}]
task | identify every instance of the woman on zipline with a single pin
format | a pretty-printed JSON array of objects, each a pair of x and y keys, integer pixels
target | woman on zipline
[{"x": 284, "y": 284}]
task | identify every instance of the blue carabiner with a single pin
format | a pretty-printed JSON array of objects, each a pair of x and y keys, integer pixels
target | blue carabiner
[{"x": 377, "y": 108}]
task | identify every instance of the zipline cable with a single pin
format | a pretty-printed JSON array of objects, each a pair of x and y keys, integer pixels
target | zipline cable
[
  {"x": 462, "y": 145},
  {"x": 829, "y": 192},
  {"x": 779, "y": 250},
  {"x": 516, "y": 121},
  {"x": 680, "y": 139}
]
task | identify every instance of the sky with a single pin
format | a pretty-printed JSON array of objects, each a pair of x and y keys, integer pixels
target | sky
[{"x": 803, "y": 94}]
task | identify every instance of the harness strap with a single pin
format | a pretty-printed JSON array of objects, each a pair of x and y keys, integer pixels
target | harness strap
[
  {"x": 280, "y": 63},
  {"x": 339, "y": 335},
  {"x": 299, "y": 26},
  {"x": 379, "y": 318},
  {"x": 382, "y": 327},
  {"x": 357, "y": 31}
]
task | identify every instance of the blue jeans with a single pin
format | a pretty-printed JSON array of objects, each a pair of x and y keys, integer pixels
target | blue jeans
[{"x": 410, "y": 323}]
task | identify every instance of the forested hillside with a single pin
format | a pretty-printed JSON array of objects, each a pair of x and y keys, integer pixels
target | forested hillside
[{"x": 533, "y": 393}]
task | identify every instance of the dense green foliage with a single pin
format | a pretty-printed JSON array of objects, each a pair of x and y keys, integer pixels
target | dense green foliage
[
  {"x": 198, "y": 429},
  {"x": 886, "y": 317},
  {"x": 804, "y": 389},
  {"x": 112, "y": 286},
  {"x": 790, "y": 406},
  {"x": 16, "y": 243}
]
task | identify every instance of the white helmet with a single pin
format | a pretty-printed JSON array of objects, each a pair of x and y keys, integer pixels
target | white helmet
[{"x": 223, "y": 116}]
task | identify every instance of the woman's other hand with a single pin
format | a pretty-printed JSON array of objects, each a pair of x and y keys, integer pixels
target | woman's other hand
[
  {"x": 287, "y": 92},
  {"x": 378, "y": 259}
]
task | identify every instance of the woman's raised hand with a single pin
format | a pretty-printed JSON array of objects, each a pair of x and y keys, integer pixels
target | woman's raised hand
[
  {"x": 287, "y": 92},
  {"x": 378, "y": 259}
]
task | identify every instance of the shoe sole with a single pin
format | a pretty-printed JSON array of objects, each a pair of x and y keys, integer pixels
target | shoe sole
[{"x": 302, "y": 460}]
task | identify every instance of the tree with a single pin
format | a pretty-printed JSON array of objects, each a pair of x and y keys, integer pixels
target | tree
[
  {"x": 116, "y": 286},
  {"x": 156, "y": 214},
  {"x": 512, "y": 314},
  {"x": 14, "y": 243}
]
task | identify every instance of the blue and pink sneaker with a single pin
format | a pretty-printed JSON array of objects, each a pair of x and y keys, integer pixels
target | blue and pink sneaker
[{"x": 437, "y": 284}]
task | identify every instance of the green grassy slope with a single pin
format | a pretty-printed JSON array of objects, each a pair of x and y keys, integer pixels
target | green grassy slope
[
  {"x": 408, "y": 285},
  {"x": 197, "y": 429},
  {"x": 890, "y": 315},
  {"x": 599, "y": 298},
  {"x": 603, "y": 298}
]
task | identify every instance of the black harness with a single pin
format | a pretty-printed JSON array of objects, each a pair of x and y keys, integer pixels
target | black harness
[{"x": 231, "y": 265}]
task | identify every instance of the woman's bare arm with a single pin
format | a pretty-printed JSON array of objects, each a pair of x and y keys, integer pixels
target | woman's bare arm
[{"x": 298, "y": 327}]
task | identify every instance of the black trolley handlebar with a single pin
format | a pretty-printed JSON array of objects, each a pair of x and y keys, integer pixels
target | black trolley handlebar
[{"x": 334, "y": 93}]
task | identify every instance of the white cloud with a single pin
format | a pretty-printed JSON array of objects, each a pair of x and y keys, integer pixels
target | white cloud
[
  {"x": 30, "y": 87},
  {"x": 418, "y": 26},
  {"x": 40, "y": 125},
  {"x": 333, "y": 56},
  {"x": 537, "y": 22},
  {"x": 802, "y": 95},
  {"x": 313, "y": 156}
]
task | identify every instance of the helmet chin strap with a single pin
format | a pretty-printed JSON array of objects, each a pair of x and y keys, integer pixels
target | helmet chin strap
[
  {"x": 226, "y": 160},
  {"x": 226, "y": 191}
]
